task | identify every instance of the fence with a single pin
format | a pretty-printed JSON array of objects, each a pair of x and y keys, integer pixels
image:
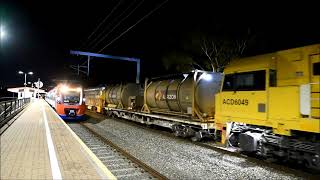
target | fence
[{"x": 10, "y": 108}]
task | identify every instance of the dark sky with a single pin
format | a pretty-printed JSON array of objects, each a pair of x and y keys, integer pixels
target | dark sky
[{"x": 41, "y": 33}]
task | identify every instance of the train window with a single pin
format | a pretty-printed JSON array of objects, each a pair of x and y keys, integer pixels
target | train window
[
  {"x": 228, "y": 83},
  {"x": 316, "y": 68},
  {"x": 272, "y": 78},
  {"x": 71, "y": 97},
  {"x": 247, "y": 81}
]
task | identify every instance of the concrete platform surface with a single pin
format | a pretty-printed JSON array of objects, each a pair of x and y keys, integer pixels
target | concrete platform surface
[{"x": 39, "y": 145}]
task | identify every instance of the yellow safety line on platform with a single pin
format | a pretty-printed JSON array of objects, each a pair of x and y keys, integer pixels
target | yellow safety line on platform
[{"x": 90, "y": 153}]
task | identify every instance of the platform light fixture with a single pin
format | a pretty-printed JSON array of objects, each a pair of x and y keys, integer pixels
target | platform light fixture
[{"x": 25, "y": 76}]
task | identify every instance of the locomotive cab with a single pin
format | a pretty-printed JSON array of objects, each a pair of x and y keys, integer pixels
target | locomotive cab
[{"x": 269, "y": 104}]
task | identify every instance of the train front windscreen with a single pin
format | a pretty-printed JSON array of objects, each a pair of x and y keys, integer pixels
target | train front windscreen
[{"x": 71, "y": 97}]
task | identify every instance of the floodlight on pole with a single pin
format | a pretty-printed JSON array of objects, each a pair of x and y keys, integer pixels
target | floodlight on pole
[{"x": 25, "y": 76}]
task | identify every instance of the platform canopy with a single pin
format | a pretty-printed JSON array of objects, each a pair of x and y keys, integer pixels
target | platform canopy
[{"x": 26, "y": 92}]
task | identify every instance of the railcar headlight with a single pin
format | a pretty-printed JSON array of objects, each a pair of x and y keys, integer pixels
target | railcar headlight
[
  {"x": 59, "y": 100},
  {"x": 64, "y": 89}
]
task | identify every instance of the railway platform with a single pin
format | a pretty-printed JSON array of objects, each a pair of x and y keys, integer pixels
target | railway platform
[{"x": 39, "y": 145}]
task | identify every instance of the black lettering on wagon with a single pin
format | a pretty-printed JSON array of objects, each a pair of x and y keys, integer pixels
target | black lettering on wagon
[{"x": 244, "y": 102}]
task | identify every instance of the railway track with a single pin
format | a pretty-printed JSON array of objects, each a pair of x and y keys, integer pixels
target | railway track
[
  {"x": 118, "y": 161},
  {"x": 298, "y": 171}
]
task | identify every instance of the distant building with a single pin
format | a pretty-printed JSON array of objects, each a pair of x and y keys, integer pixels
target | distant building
[{"x": 26, "y": 92}]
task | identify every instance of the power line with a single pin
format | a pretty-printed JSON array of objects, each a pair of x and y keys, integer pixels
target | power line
[
  {"x": 100, "y": 24},
  {"x": 112, "y": 23},
  {"x": 134, "y": 25},
  {"x": 106, "y": 35}
]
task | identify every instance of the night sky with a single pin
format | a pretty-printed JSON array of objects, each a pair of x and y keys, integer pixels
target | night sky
[{"x": 41, "y": 34}]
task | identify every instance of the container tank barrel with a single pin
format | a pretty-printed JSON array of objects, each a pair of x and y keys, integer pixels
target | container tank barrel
[
  {"x": 177, "y": 95},
  {"x": 120, "y": 95}
]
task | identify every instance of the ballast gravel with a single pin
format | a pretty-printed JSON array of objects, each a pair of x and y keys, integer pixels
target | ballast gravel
[{"x": 180, "y": 159}]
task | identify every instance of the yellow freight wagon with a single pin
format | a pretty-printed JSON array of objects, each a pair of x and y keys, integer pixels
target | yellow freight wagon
[
  {"x": 270, "y": 104},
  {"x": 95, "y": 99}
]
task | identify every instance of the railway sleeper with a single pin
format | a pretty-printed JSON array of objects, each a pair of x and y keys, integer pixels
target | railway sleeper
[{"x": 250, "y": 140}]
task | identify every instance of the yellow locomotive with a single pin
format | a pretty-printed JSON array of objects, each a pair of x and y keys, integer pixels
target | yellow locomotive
[{"x": 270, "y": 105}]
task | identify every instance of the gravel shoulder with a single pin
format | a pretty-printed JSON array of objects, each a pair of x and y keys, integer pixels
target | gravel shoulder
[{"x": 179, "y": 159}]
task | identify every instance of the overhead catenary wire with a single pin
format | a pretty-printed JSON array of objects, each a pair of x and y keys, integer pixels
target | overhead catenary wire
[
  {"x": 144, "y": 17},
  {"x": 109, "y": 25},
  {"x": 114, "y": 27},
  {"x": 102, "y": 22}
]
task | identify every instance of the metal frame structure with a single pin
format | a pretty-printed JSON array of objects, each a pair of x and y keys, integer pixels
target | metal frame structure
[
  {"x": 10, "y": 108},
  {"x": 89, "y": 55}
]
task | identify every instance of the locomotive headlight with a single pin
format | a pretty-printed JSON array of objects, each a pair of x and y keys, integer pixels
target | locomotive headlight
[
  {"x": 207, "y": 77},
  {"x": 58, "y": 100},
  {"x": 64, "y": 89}
]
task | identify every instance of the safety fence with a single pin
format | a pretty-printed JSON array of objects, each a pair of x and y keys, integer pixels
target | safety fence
[{"x": 10, "y": 108}]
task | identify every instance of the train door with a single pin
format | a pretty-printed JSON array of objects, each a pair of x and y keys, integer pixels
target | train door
[
  {"x": 244, "y": 96},
  {"x": 315, "y": 85}
]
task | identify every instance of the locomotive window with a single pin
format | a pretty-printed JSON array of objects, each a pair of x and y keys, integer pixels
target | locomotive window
[
  {"x": 248, "y": 81},
  {"x": 316, "y": 68},
  {"x": 228, "y": 83},
  {"x": 272, "y": 78}
]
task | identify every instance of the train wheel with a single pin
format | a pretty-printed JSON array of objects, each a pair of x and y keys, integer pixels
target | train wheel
[
  {"x": 313, "y": 162},
  {"x": 197, "y": 136},
  {"x": 195, "y": 139},
  {"x": 176, "y": 130},
  {"x": 176, "y": 133}
]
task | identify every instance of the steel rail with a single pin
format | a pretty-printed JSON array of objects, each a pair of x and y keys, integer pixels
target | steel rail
[
  {"x": 141, "y": 164},
  {"x": 301, "y": 173}
]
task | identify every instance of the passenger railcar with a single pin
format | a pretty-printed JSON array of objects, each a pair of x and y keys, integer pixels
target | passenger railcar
[{"x": 68, "y": 101}]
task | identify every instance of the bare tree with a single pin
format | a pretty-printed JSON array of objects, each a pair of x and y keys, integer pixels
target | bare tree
[
  {"x": 220, "y": 53},
  {"x": 208, "y": 50}
]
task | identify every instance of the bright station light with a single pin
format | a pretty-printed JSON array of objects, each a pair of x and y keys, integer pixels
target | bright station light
[
  {"x": 2, "y": 32},
  {"x": 207, "y": 77}
]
